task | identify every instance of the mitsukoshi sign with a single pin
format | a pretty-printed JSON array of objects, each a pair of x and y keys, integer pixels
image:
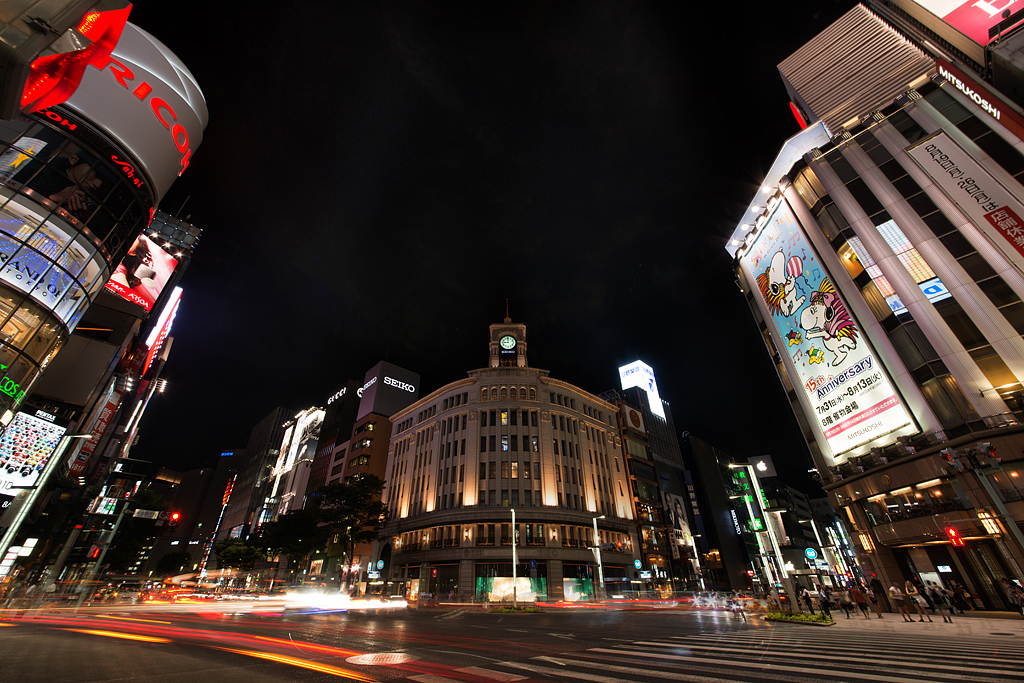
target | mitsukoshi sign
[{"x": 826, "y": 352}]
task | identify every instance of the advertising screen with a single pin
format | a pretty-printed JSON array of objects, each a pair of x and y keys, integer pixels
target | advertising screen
[
  {"x": 26, "y": 447},
  {"x": 852, "y": 400},
  {"x": 387, "y": 389},
  {"x": 142, "y": 274},
  {"x": 973, "y": 18},
  {"x": 640, "y": 374},
  {"x": 675, "y": 515}
]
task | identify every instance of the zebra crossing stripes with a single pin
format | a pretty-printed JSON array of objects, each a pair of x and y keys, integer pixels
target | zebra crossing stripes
[{"x": 788, "y": 655}]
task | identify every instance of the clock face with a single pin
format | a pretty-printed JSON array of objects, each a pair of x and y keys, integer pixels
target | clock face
[{"x": 507, "y": 342}]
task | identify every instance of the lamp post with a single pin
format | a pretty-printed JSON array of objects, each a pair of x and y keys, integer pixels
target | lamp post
[
  {"x": 597, "y": 555},
  {"x": 32, "y": 494}
]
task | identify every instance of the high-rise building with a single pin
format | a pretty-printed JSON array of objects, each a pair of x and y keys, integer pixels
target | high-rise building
[
  {"x": 506, "y": 438},
  {"x": 882, "y": 259}
]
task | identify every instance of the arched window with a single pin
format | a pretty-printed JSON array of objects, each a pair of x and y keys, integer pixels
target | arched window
[
  {"x": 513, "y": 394},
  {"x": 533, "y": 394},
  {"x": 483, "y": 394},
  {"x": 504, "y": 393}
]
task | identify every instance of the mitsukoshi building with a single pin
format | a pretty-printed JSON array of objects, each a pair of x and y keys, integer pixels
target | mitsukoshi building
[{"x": 883, "y": 261}]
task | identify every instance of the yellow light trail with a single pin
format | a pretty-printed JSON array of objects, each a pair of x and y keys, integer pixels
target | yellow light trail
[
  {"x": 115, "y": 634},
  {"x": 1, "y": 624},
  {"x": 303, "y": 663},
  {"x": 148, "y": 621}
]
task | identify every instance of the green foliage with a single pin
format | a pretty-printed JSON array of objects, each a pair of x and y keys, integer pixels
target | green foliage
[
  {"x": 172, "y": 564},
  {"x": 530, "y": 610},
  {"x": 820, "y": 617},
  {"x": 235, "y": 553},
  {"x": 353, "y": 511},
  {"x": 295, "y": 534},
  {"x": 134, "y": 533}
]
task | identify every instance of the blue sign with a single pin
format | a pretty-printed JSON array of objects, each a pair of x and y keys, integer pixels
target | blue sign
[
  {"x": 533, "y": 564},
  {"x": 637, "y": 564},
  {"x": 380, "y": 564},
  {"x": 811, "y": 553}
]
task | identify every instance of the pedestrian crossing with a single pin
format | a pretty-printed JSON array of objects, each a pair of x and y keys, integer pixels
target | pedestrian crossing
[{"x": 784, "y": 652}]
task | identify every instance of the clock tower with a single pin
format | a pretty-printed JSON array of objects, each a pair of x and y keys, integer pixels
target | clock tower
[{"x": 508, "y": 345}]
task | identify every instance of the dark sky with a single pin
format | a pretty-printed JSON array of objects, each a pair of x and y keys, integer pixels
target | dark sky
[{"x": 377, "y": 179}]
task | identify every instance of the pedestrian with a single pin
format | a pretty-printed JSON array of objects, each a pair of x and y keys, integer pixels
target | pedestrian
[
  {"x": 824, "y": 602},
  {"x": 861, "y": 600},
  {"x": 774, "y": 603},
  {"x": 1014, "y": 595},
  {"x": 938, "y": 598},
  {"x": 956, "y": 593},
  {"x": 900, "y": 600},
  {"x": 806, "y": 595},
  {"x": 873, "y": 597},
  {"x": 846, "y": 601},
  {"x": 915, "y": 599}
]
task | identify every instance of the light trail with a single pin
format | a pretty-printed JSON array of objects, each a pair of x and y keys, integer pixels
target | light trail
[
  {"x": 117, "y": 634},
  {"x": 148, "y": 621},
  {"x": 302, "y": 663}
]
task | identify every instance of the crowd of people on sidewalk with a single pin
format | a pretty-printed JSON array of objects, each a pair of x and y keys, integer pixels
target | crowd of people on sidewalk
[{"x": 909, "y": 599}]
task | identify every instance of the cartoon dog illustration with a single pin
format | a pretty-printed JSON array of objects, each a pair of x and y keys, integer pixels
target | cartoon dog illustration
[
  {"x": 778, "y": 284},
  {"x": 827, "y": 318}
]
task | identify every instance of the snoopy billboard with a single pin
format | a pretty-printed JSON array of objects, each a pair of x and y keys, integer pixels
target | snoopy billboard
[{"x": 845, "y": 385}]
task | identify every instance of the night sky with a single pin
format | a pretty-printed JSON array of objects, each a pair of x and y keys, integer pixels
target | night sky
[{"x": 377, "y": 179}]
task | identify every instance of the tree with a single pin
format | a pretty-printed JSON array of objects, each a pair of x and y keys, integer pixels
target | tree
[
  {"x": 353, "y": 511},
  {"x": 295, "y": 534},
  {"x": 174, "y": 563},
  {"x": 236, "y": 553},
  {"x": 133, "y": 534}
]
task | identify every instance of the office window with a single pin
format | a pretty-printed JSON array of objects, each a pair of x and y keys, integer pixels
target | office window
[
  {"x": 533, "y": 418},
  {"x": 504, "y": 418},
  {"x": 481, "y": 500},
  {"x": 494, "y": 443},
  {"x": 526, "y": 470},
  {"x": 526, "y": 444},
  {"x": 463, "y": 447},
  {"x": 558, "y": 473},
  {"x": 483, "y": 418},
  {"x": 515, "y": 498},
  {"x": 528, "y": 500},
  {"x": 483, "y": 444},
  {"x": 461, "y": 471},
  {"x": 492, "y": 498},
  {"x": 536, "y": 471},
  {"x": 494, "y": 417},
  {"x": 514, "y": 418},
  {"x": 515, "y": 441},
  {"x": 555, "y": 441},
  {"x": 526, "y": 417},
  {"x": 515, "y": 469},
  {"x": 504, "y": 469},
  {"x": 561, "y": 422},
  {"x": 534, "y": 444},
  {"x": 493, "y": 470},
  {"x": 504, "y": 442},
  {"x": 573, "y": 475},
  {"x": 483, "y": 470}
]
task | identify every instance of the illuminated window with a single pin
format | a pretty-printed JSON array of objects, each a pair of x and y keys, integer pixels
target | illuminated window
[
  {"x": 504, "y": 470},
  {"x": 515, "y": 469},
  {"x": 504, "y": 418},
  {"x": 483, "y": 394},
  {"x": 504, "y": 443}
]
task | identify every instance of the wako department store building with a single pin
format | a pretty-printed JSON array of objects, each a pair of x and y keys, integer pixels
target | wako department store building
[
  {"x": 508, "y": 437},
  {"x": 883, "y": 260}
]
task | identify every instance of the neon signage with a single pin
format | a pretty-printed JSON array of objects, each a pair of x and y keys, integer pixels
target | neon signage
[{"x": 179, "y": 136}]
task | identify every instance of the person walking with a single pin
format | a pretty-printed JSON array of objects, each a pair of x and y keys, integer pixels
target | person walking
[
  {"x": 915, "y": 599},
  {"x": 957, "y": 592},
  {"x": 875, "y": 601},
  {"x": 1014, "y": 595},
  {"x": 806, "y": 595},
  {"x": 824, "y": 602},
  {"x": 861, "y": 600},
  {"x": 900, "y": 600},
  {"x": 846, "y": 601},
  {"x": 938, "y": 598}
]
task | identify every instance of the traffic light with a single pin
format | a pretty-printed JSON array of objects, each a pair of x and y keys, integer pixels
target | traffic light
[
  {"x": 988, "y": 453},
  {"x": 949, "y": 455},
  {"x": 45, "y": 47},
  {"x": 172, "y": 519},
  {"x": 94, "y": 553},
  {"x": 954, "y": 536}
]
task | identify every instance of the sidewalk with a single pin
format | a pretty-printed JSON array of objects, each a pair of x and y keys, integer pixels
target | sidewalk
[{"x": 976, "y": 624}]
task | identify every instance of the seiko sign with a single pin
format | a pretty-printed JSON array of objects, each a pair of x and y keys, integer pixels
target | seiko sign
[
  {"x": 148, "y": 102},
  {"x": 404, "y": 386}
]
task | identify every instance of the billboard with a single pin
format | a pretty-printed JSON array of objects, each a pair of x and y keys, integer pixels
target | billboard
[
  {"x": 974, "y": 18},
  {"x": 675, "y": 515},
  {"x": 633, "y": 419},
  {"x": 26, "y": 447},
  {"x": 387, "y": 389},
  {"x": 77, "y": 465},
  {"x": 989, "y": 205},
  {"x": 640, "y": 374},
  {"x": 142, "y": 274},
  {"x": 158, "y": 335},
  {"x": 829, "y": 360}
]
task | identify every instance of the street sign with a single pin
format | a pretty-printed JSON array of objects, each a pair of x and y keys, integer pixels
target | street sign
[
  {"x": 533, "y": 564},
  {"x": 645, "y": 575},
  {"x": 811, "y": 553},
  {"x": 637, "y": 564},
  {"x": 147, "y": 514},
  {"x": 380, "y": 564}
]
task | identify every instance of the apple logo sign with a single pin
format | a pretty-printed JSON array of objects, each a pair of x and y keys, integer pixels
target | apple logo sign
[{"x": 761, "y": 467}]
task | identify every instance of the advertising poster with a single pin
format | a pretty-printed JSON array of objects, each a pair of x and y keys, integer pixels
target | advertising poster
[
  {"x": 77, "y": 466},
  {"x": 989, "y": 205},
  {"x": 675, "y": 515},
  {"x": 26, "y": 447},
  {"x": 845, "y": 384},
  {"x": 143, "y": 273},
  {"x": 973, "y": 18}
]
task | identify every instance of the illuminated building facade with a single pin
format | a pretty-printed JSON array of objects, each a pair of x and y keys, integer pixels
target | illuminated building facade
[
  {"x": 507, "y": 437},
  {"x": 882, "y": 259}
]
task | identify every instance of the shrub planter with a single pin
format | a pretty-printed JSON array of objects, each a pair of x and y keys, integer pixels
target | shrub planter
[{"x": 793, "y": 618}]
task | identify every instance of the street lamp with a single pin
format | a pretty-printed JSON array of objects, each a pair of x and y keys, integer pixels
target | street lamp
[
  {"x": 32, "y": 494},
  {"x": 597, "y": 554}
]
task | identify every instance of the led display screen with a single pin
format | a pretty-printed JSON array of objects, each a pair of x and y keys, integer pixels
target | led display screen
[
  {"x": 849, "y": 393},
  {"x": 142, "y": 274},
  {"x": 26, "y": 447},
  {"x": 640, "y": 374}
]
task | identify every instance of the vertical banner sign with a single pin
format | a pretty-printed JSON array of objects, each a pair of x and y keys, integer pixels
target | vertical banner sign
[
  {"x": 676, "y": 513},
  {"x": 77, "y": 466},
  {"x": 850, "y": 395},
  {"x": 989, "y": 205}
]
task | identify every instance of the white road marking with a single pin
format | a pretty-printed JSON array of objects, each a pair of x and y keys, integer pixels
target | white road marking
[{"x": 487, "y": 673}]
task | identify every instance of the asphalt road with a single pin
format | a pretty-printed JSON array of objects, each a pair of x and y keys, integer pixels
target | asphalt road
[{"x": 200, "y": 645}]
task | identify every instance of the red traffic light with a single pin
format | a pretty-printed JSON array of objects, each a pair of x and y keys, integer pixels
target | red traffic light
[
  {"x": 954, "y": 536},
  {"x": 53, "y": 78},
  {"x": 175, "y": 516}
]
